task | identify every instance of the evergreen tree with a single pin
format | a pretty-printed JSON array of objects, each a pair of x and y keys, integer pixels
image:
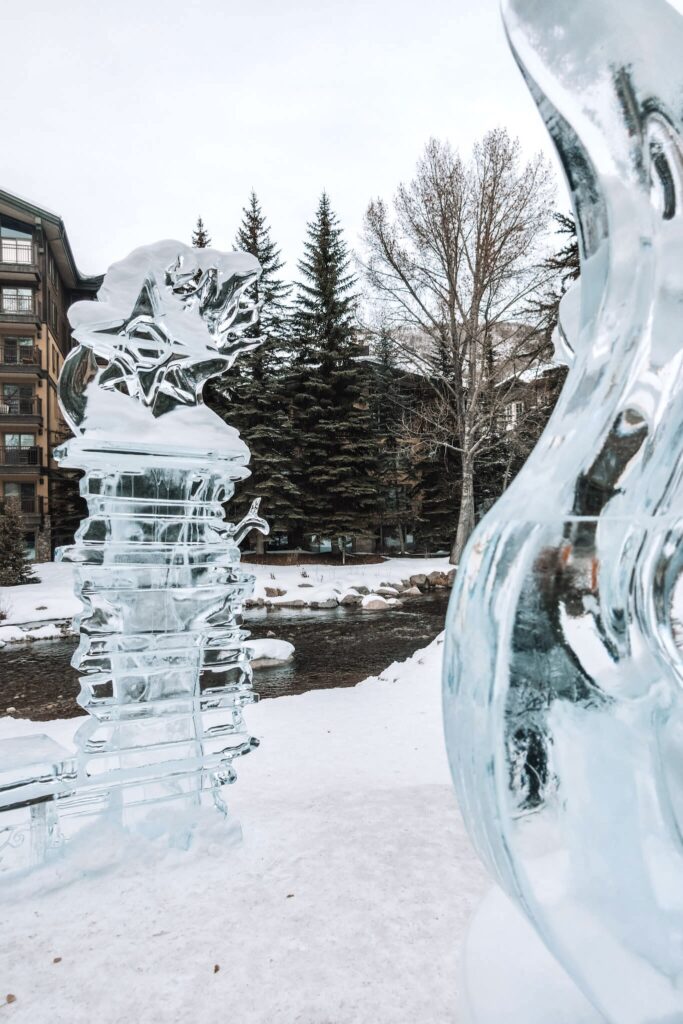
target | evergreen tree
[
  {"x": 14, "y": 569},
  {"x": 200, "y": 236},
  {"x": 337, "y": 460},
  {"x": 253, "y": 236},
  {"x": 254, "y": 396}
]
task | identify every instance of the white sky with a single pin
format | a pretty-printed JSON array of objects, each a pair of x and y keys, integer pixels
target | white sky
[{"x": 130, "y": 118}]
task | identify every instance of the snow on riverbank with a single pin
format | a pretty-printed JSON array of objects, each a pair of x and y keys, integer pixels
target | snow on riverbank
[
  {"x": 270, "y": 652},
  {"x": 345, "y": 904},
  {"x": 44, "y": 610}
]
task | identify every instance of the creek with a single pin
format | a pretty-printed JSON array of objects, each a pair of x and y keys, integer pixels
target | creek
[{"x": 335, "y": 647}]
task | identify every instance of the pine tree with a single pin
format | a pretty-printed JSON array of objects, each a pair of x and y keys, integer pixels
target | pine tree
[
  {"x": 254, "y": 396},
  {"x": 14, "y": 569},
  {"x": 337, "y": 459},
  {"x": 253, "y": 236},
  {"x": 200, "y": 236}
]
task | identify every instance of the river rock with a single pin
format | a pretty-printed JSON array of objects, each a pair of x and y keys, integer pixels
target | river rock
[
  {"x": 412, "y": 592},
  {"x": 351, "y": 600},
  {"x": 305, "y": 584},
  {"x": 374, "y": 603},
  {"x": 275, "y": 592},
  {"x": 386, "y": 591},
  {"x": 329, "y": 602},
  {"x": 437, "y": 579},
  {"x": 419, "y": 580},
  {"x": 361, "y": 589},
  {"x": 394, "y": 603},
  {"x": 451, "y": 577},
  {"x": 295, "y": 603}
]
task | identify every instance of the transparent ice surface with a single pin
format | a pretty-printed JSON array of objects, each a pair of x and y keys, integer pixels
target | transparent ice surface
[
  {"x": 165, "y": 671},
  {"x": 562, "y": 700}
]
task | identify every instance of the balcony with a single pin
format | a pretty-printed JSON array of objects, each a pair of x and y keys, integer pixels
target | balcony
[
  {"x": 12, "y": 409},
  {"x": 17, "y": 308},
  {"x": 18, "y": 260},
  {"x": 16, "y": 250},
  {"x": 21, "y": 359},
  {"x": 30, "y": 507},
  {"x": 20, "y": 458}
]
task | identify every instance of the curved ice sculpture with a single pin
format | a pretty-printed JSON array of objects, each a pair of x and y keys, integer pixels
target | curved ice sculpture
[
  {"x": 563, "y": 702},
  {"x": 165, "y": 670}
]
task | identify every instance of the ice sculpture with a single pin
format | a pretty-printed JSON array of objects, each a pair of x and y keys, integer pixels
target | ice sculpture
[
  {"x": 166, "y": 674},
  {"x": 563, "y": 675}
]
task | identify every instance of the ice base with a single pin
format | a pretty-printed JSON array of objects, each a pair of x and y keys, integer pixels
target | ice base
[{"x": 509, "y": 977}]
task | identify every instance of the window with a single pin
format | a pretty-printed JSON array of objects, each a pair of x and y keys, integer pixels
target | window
[
  {"x": 17, "y": 300},
  {"x": 16, "y": 241},
  {"x": 52, "y": 309},
  {"x": 20, "y": 440},
  {"x": 512, "y": 414},
  {"x": 52, "y": 268}
]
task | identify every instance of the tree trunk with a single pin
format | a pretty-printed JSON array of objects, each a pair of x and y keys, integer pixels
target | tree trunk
[
  {"x": 260, "y": 543},
  {"x": 466, "y": 514},
  {"x": 401, "y": 538}
]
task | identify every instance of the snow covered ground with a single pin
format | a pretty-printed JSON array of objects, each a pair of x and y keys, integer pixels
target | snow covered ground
[
  {"x": 346, "y": 902},
  {"x": 43, "y": 611}
]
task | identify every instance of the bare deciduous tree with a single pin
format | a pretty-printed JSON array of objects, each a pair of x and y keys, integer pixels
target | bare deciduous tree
[{"x": 454, "y": 264}]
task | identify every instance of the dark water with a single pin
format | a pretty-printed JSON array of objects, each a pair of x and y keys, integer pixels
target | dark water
[{"x": 338, "y": 647}]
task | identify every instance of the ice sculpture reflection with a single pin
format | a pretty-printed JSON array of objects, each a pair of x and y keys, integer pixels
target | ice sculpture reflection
[
  {"x": 563, "y": 704},
  {"x": 165, "y": 671}
]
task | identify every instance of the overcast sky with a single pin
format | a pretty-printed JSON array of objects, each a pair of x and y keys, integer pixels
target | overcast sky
[{"x": 130, "y": 118}]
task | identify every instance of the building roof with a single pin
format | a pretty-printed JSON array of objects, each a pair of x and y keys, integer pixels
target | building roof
[{"x": 55, "y": 232}]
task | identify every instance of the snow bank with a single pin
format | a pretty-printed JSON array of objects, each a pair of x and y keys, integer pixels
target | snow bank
[
  {"x": 326, "y": 585},
  {"x": 269, "y": 651},
  {"x": 345, "y": 904},
  {"x": 52, "y": 601}
]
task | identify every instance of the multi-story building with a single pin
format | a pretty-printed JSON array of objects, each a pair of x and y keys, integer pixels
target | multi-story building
[{"x": 39, "y": 280}]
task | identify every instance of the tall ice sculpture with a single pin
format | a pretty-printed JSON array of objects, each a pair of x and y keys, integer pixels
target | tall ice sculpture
[
  {"x": 166, "y": 674},
  {"x": 563, "y": 675}
]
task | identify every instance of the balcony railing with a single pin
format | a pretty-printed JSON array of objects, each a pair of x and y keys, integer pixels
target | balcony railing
[
  {"x": 19, "y": 355},
  {"x": 15, "y": 456},
  {"x": 16, "y": 303},
  {"x": 28, "y": 506},
  {"x": 13, "y": 250},
  {"x": 20, "y": 406}
]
